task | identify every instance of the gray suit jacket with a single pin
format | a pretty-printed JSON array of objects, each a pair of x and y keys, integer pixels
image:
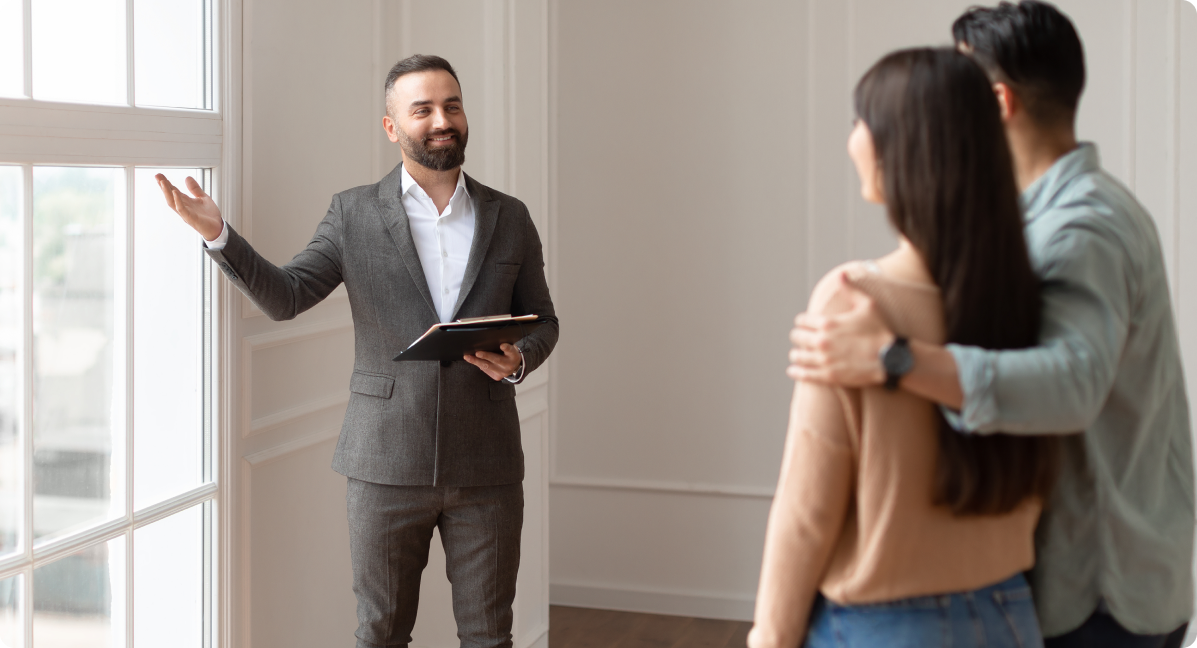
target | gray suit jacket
[{"x": 413, "y": 423}]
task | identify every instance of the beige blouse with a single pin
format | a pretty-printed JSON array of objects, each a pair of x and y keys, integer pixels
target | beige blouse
[{"x": 853, "y": 514}]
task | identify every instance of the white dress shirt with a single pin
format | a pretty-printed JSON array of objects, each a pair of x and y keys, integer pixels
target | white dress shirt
[
  {"x": 442, "y": 242},
  {"x": 442, "y": 239}
]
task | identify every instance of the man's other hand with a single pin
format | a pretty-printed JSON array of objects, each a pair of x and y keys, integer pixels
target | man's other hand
[
  {"x": 842, "y": 349},
  {"x": 199, "y": 211},
  {"x": 497, "y": 365}
]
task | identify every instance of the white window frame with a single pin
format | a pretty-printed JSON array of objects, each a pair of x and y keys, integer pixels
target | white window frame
[{"x": 35, "y": 132}]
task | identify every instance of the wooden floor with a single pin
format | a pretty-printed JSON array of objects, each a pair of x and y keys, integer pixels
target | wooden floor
[{"x": 571, "y": 627}]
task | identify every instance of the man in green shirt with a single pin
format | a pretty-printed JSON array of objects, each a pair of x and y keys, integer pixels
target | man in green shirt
[{"x": 1115, "y": 543}]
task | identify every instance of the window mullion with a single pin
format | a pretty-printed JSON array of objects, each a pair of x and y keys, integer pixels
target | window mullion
[
  {"x": 27, "y": 18},
  {"x": 130, "y": 65},
  {"x": 127, "y": 289},
  {"x": 27, "y": 388}
]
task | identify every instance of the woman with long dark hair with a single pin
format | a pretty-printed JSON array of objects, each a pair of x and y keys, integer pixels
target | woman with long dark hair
[{"x": 888, "y": 528}]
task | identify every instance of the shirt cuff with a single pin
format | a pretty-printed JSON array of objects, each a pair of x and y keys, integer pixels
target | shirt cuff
[
  {"x": 976, "y": 371},
  {"x": 221, "y": 240},
  {"x": 516, "y": 377}
]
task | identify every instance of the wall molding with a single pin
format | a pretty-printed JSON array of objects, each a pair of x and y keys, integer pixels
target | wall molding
[
  {"x": 249, "y": 310},
  {"x": 707, "y": 605},
  {"x": 532, "y": 403},
  {"x": 266, "y": 455},
  {"x": 654, "y": 486},
  {"x": 292, "y": 335},
  {"x": 292, "y": 414}
]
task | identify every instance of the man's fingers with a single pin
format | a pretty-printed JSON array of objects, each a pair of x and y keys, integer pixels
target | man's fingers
[
  {"x": 488, "y": 356},
  {"x": 195, "y": 188},
  {"x": 807, "y": 359},
  {"x": 807, "y": 338},
  {"x": 175, "y": 199},
  {"x": 809, "y": 320},
  {"x": 486, "y": 366},
  {"x": 168, "y": 190},
  {"x": 808, "y": 375}
]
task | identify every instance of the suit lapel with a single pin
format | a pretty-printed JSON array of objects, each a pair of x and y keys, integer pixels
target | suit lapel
[
  {"x": 395, "y": 219},
  {"x": 486, "y": 216}
]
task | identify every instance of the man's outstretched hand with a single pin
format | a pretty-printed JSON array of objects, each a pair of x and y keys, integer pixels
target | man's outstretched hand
[
  {"x": 198, "y": 210},
  {"x": 842, "y": 349},
  {"x": 497, "y": 365}
]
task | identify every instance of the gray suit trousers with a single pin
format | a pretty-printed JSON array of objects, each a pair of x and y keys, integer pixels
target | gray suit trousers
[{"x": 390, "y": 528}]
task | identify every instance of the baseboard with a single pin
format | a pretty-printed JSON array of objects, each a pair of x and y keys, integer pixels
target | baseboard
[{"x": 654, "y": 601}]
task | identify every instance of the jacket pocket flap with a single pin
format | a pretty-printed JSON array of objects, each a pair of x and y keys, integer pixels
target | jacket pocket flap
[
  {"x": 371, "y": 384},
  {"x": 502, "y": 390},
  {"x": 507, "y": 268}
]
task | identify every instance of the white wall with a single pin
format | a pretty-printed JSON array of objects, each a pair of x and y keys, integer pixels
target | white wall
[
  {"x": 312, "y": 105},
  {"x": 703, "y": 188}
]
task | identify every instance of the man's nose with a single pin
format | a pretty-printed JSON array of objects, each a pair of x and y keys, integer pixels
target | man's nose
[{"x": 439, "y": 119}]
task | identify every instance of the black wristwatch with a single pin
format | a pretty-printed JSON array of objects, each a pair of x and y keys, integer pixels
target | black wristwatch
[{"x": 897, "y": 361}]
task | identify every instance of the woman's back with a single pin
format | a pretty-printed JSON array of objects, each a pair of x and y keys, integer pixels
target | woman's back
[
  {"x": 854, "y": 516},
  {"x": 895, "y": 543}
]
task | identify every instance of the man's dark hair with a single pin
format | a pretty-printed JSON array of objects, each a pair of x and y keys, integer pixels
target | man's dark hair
[
  {"x": 415, "y": 63},
  {"x": 949, "y": 188},
  {"x": 1032, "y": 47}
]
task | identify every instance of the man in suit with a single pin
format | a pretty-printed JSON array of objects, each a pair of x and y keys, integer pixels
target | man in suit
[{"x": 424, "y": 445}]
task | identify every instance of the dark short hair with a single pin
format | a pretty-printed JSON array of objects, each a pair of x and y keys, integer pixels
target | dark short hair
[
  {"x": 416, "y": 63},
  {"x": 1032, "y": 47},
  {"x": 948, "y": 181}
]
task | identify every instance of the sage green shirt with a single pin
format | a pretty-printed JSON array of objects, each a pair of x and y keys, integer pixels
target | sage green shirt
[{"x": 1118, "y": 530}]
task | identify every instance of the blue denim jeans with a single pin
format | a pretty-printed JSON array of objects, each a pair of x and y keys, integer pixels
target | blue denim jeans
[{"x": 1001, "y": 615}]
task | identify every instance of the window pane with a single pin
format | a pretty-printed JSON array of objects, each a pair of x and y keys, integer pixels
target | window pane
[
  {"x": 79, "y": 600},
  {"x": 168, "y": 581},
  {"x": 12, "y": 49},
  {"x": 169, "y": 53},
  {"x": 12, "y": 244},
  {"x": 11, "y": 622},
  {"x": 167, "y": 420},
  {"x": 78, "y": 478},
  {"x": 79, "y": 50}
]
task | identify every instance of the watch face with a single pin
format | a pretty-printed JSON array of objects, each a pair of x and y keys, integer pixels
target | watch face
[{"x": 897, "y": 360}]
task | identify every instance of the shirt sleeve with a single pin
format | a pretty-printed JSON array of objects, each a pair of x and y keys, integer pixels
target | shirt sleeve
[
  {"x": 221, "y": 240},
  {"x": 1060, "y": 385},
  {"x": 806, "y": 517},
  {"x": 518, "y": 376}
]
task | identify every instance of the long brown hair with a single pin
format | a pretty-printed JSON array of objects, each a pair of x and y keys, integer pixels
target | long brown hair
[{"x": 949, "y": 185}]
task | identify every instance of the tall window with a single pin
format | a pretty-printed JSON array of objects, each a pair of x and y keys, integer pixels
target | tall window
[{"x": 107, "y": 486}]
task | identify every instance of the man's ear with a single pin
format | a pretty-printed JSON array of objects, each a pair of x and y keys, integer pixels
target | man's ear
[
  {"x": 1007, "y": 100},
  {"x": 389, "y": 126}
]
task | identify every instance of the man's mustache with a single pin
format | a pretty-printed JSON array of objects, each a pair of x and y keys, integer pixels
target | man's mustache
[{"x": 442, "y": 133}]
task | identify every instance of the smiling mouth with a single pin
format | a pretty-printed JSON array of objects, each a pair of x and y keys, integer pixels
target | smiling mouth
[{"x": 442, "y": 138}]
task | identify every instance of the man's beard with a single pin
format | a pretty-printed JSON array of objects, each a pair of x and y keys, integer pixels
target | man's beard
[{"x": 440, "y": 158}]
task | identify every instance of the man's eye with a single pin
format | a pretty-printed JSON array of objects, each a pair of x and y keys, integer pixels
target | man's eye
[{"x": 422, "y": 111}]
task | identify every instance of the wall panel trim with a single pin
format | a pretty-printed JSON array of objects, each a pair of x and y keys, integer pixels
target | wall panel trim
[
  {"x": 265, "y": 455},
  {"x": 292, "y": 414},
  {"x": 653, "y": 486},
  {"x": 630, "y": 598},
  {"x": 249, "y": 344}
]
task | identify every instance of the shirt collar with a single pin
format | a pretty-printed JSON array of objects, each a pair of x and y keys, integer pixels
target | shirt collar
[
  {"x": 409, "y": 184},
  {"x": 1043, "y": 191}
]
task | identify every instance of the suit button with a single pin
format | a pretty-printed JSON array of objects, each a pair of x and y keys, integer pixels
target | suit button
[{"x": 446, "y": 363}]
